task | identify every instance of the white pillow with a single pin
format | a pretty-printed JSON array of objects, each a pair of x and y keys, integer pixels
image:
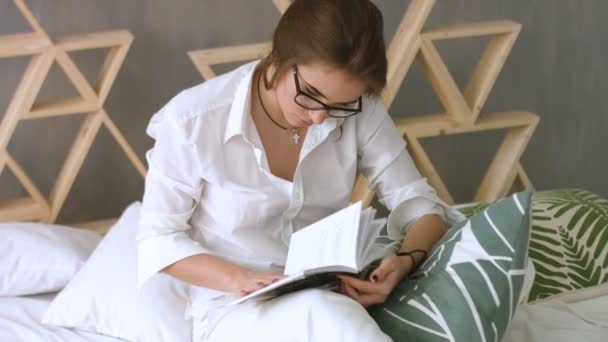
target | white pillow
[
  {"x": 103, "y": 296},
  {"x": 39, "y": 258}
]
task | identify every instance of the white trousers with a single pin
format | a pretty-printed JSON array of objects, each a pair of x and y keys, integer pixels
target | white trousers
[{"x": 303, "y": 316}]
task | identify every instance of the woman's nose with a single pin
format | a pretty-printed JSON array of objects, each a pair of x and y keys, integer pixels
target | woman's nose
[{"x": 318, "y": 116}]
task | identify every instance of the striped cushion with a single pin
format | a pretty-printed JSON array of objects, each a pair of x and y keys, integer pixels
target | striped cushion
[{"x": 469, "y": 286}]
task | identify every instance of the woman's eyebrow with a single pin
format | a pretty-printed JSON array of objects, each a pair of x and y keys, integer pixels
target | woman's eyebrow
[
  {"x": 317, "y": 92},
  {"x": 314, "y": 90}
]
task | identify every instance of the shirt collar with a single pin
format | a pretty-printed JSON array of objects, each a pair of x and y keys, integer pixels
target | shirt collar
[{"x": 241, "y": 105}]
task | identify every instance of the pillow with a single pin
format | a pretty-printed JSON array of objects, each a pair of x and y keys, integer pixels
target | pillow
[
  {"x": 39, "y": 258},
  {"x": 568, "y": 241},
  {"x": 103, "y": 297},
  {"x": 469, "y": 286}
]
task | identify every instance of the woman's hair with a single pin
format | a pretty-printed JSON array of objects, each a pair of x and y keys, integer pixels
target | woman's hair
[{"x": 344, "y": 33}]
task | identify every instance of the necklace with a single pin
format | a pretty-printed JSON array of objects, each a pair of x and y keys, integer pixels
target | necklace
[{"x": 295, "y": 135}]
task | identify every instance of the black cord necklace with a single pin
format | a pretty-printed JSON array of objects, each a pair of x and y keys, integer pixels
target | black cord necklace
[{"x": 295, "y": 135}]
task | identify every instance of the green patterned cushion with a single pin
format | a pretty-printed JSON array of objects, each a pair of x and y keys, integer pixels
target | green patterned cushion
[
  {"x": 569, "y": 241},
  {"x": 469, "y": 286}
]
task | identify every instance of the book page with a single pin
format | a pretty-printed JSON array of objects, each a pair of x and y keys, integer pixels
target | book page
[
  {"x": 268, "y": 289},
  {"x": 327, "y": 242}
]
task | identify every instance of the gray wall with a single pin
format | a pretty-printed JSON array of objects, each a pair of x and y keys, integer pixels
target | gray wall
[{"x": 557, "y": 69}]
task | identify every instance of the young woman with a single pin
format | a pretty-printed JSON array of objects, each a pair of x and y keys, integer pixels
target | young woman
[{"x": 242, "y": 161}]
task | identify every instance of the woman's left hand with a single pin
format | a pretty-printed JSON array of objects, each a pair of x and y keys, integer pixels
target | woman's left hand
[{"x": 383, "y": 280}]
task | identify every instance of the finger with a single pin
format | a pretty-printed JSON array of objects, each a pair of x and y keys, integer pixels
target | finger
[
  {"x": 360, "y": 285},
  {"x": 260, "y": 285},
  {"x": 386, "y": 267},
  {"x": 361, "y": 298},
  {"x": 350, "y": 291}
]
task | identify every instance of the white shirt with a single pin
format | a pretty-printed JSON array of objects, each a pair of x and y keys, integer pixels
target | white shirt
[{"x": 209, "y": 188}]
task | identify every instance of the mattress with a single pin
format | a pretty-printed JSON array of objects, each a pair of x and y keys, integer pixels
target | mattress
[
  {"x": 553, "y": 320},
  {"x": 20, "y": 322},
  {"x": 560, "y": 321}
]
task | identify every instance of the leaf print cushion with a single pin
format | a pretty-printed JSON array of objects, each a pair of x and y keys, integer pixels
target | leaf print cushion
[
  {"x": 569, "y": 241},
  {"x": 469, "y": 286}
]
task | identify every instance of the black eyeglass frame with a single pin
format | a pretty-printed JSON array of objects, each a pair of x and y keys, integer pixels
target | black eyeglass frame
[{"x": 324, "y": 106}]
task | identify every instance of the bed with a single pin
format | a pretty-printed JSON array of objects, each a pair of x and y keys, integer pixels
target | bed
[
  {"x": 20, "y": 322},
  {"x": 554, "y": 321},
  {"x": 94, "y": 299},
  {"x": 93, "y": 296}
]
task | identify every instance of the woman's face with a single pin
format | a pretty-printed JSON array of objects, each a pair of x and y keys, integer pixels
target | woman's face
[{"x": 326, "y": 83}]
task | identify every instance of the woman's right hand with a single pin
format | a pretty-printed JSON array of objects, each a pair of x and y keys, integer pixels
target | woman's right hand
[{"x": 251, "y": 281}]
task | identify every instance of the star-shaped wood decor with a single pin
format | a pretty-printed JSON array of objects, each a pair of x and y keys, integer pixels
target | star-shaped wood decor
[
  {"x": 463, "y": 110},
  {"x": 23, "y": 106}
]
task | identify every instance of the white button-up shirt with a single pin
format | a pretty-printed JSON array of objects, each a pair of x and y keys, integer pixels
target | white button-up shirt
[{"x": 209, "y": 188}]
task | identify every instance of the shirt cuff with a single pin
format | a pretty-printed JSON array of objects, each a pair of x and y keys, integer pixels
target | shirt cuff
[
  {"x": 156, "y": 253},
  {"x": 414, "y": 206}
]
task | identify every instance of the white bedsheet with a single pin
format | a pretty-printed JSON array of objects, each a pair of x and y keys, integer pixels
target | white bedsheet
[
  {"x": 553, "y": 320},
  {"x": 558, "y": 321},
  {"x": 20, "y": 322}
]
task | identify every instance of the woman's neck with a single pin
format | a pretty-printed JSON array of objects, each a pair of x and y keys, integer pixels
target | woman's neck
[{"x": 268, "y": 97}]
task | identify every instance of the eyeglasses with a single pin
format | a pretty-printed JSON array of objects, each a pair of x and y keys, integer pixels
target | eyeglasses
[{"x": 309, "y": 102}]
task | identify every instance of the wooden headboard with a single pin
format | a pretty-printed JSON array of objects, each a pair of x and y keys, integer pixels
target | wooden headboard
[
  {"x": 462, "y": 109},
  {"x": 411, "y": 41},
  {"x": 44, "y": 51}
]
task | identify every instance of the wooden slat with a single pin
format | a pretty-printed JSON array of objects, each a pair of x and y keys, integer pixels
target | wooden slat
[
  {"x": 73, "y": 163},
  {"x": 22, "y": 100},
  {"x": 282, "y": 5},
  {"x": 94, "y": 40},
  {"x": 109, "y": 70},
  {"x": 99, "y": 226},
  {"x": 122, "y": 142},
  {"x": 487, "y": 71},
  {"x": 522, "y": 181},
  {"x": 361, "y": 192},
  {"x": 444, "y": 84},
  {"x": 22, "y": 44},
  {"x": 395, "y": 79},
  {"x": 232, "y": 53},
  {"x": 404, "y": 46},
  {"x": 31, "y": 19},
  {"x": 483, "y": 28},
  {"x": 22, "y": 209},
  {"x": 436, "y": 125},
  {"x": 25, "y": 180},
  {"x": 73, "y": 73},
  {"x": 59, "y": 107},
  {"x": 501, "y": 173},
  {"x": 426, "y": 167},
  {"x": 203, "y": 59}
]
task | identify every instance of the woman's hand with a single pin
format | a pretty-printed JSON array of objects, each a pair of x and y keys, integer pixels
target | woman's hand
[
  {"x": 250, "y": 281},
  {"x": 383, "y": 280}
]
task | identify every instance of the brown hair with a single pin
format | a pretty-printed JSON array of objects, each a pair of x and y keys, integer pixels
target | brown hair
[{"x": 344, "y": 33}]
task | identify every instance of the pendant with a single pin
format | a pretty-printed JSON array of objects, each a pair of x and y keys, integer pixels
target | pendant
[{"x": 295, "y": 136}]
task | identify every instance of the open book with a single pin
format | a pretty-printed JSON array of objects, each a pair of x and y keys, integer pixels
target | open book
[{"x": 342, "y": 242}]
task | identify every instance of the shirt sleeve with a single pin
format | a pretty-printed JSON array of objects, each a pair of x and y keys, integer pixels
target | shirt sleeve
[
  {"x": 173, "y": 187},
  {"x": 393, "y": 176}
]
